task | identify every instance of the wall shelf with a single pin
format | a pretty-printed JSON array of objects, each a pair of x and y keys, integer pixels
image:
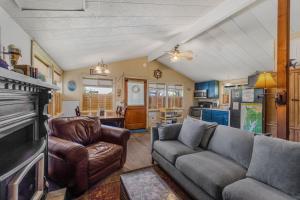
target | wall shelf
[{"x": 11, "y": 76}]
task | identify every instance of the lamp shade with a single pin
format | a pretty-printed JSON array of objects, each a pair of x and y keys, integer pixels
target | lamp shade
[{"x": 265, "y": 80}]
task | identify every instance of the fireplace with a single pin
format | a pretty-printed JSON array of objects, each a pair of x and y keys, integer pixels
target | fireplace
[{"x": 23, "y": 136}]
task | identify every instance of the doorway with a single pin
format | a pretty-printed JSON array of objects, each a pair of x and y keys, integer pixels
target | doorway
[{"x": 135, "y": 100}]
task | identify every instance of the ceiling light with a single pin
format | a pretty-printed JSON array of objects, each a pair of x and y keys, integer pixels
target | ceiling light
[{"x": 100, "y": 69}]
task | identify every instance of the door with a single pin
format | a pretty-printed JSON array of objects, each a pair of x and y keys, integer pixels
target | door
[{"x": 135, "y": 99}]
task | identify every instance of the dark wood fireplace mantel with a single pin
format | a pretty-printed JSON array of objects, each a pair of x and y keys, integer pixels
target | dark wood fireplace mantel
[{"x": 23, "y": 135}]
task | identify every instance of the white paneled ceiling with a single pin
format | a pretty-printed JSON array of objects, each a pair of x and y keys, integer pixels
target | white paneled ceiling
[
  {"x": 109, "y": 29},
  {"x": 237, "y": 47},
  {"x": 122, "y": 29}
]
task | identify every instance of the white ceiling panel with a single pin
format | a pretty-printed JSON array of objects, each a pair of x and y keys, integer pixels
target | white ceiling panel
[
  {"x": 122, "y": 29},
  {"x": 110, "y": 29}
]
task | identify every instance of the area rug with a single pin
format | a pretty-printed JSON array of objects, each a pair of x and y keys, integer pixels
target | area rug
[{"x": 111, "y": 190}]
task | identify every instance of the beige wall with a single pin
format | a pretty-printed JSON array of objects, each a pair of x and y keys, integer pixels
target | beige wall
[{"x": 130, "y": 69}]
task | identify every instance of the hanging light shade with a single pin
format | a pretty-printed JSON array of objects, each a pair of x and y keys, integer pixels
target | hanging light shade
[
  {"x": 100, "y": 69},
  {"x": 265, "y": 80}
]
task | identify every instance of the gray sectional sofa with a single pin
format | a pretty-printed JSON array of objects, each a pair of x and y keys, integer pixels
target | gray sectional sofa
[{"x": 230, "y": 164}]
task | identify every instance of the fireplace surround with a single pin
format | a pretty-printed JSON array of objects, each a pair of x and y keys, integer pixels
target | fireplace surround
[{"x": 23, "y": 136}]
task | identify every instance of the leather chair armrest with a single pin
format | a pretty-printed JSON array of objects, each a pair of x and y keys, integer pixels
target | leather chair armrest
[
  {"x": 118, "y": 136},
  {"x": 114, "y": 135},
  {"x": 73, "y": 154},
  {"x": 67, "y": 150}
]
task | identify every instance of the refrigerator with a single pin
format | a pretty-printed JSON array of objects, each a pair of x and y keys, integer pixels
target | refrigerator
[{"x": 247, "y": 109}]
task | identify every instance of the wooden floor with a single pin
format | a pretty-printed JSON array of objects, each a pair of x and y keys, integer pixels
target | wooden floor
[{"x": 138, "y": 156}]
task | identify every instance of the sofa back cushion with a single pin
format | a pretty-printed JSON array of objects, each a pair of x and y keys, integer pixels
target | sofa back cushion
[
  {"x": 82, "y": 130},
  {"x": 169, "y": 131},
  {"x": 233, "y": 143},
  {"x": 192, "y": 132},
  {"x": 276, "y": 162}
]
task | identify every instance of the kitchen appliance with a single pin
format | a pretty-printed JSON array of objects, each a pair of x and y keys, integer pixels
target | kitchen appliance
[
  {"x": 200, "y": 94},
  {"x": 247, "y": 109},
  {"x": 196, "y": 111}
]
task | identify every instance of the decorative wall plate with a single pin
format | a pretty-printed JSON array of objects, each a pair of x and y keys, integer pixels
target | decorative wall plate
[{"x": 72, "y": 86}]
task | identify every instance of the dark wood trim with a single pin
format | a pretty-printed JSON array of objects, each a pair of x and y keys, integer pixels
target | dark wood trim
[{"x": 283, "y": 47}]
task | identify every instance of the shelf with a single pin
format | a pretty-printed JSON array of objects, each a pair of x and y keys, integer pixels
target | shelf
[
  {"x": 13, "y": 161},
  {"x": 168, "y": 118},
  {"x": 14, "y": 76}
]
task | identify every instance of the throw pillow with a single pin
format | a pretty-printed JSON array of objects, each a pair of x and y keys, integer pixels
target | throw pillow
[
  {"x": 209, "y": 132},
  {"x": 192, "y": 132},
  {"x": 169, "y": 132}
]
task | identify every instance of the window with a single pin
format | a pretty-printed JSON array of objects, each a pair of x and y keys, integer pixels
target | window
[
  {"x": 157, "y": 95},
  {"x": 175, "y": 96},
  {"x": 165, "y": 96},
  {"x": 97, "y": 94}
]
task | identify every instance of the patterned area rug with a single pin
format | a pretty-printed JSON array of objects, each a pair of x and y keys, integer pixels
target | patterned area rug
[{"x": 110, "y": 190}]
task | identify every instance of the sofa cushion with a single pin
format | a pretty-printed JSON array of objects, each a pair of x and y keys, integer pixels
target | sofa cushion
[
  {"x": 233, "y": 143},
  {"x": 192, "y": 132},
  {"x": 172, "y": 149},
  {"x": 210, "y": 171},
  {"x": 276, "y": 162},
  {"x": 169, "y": 132},
  {"x": 210, "y": 129},
  {"x": 82, "y": 130},
  {"x": 101, "y": 155},
  {"x": 250, "y": 189}
]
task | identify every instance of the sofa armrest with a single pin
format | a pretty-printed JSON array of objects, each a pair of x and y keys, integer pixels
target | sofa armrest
[
  {"x": 118, "y": 136},
  {"x": 154, "y": 136},
  {"x": 72, "y": 154}
]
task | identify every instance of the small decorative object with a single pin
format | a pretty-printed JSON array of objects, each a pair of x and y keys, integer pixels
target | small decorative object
[
  {"x": 3, "y": 64},
  {"x": 14, "y": 54},
  {"x": 135, "y": 89},
  {"x": 157, "y": 74},
  {"x": 72, "y": 86},
  {"x": 26, "y": 70},
  {"x": 100, "y": 69},
  {"x": 41, "y": 77},
  {"x": 101, "y": 112},
  {"x": 119, "y": 91}
]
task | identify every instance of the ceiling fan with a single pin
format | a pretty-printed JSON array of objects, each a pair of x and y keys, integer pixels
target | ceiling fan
[{"x": 176, "y": 55}]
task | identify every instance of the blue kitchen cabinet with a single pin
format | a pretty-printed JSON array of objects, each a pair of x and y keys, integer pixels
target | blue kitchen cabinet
[
  {"x": 213, "y": 89},
  {"x": 201, "y": 86},
  {"x": 207, "y": 115},
  {"x": 219, "y": 116}
]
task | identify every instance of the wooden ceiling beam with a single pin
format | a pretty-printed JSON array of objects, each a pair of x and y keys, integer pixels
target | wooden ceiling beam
[
  {"x": 283, "y": 56},
  {"x": 220, "y": 13}
]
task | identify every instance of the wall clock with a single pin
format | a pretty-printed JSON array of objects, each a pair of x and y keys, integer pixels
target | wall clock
[
  {"x": 72, "y": 86},
  {"x": 157, "y": 74}
]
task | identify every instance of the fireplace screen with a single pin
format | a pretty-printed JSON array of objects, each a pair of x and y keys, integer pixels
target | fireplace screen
[{"x": 29, "y": 182}]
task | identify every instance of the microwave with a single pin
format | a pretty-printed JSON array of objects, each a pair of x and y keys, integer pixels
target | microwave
[{"x": 200, "y": 94}]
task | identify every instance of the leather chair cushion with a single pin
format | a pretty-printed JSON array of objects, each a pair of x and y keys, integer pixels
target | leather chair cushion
[
  {"x": 101, "y": 155},
  {"x": 82, "y": 130}
]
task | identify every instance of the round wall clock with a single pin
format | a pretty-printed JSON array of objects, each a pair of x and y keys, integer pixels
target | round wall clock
[{"x": 72, "y": 86}]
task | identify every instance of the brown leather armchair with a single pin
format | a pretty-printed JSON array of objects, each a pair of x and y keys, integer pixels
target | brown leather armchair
[{"x": 81, "y": 151}]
